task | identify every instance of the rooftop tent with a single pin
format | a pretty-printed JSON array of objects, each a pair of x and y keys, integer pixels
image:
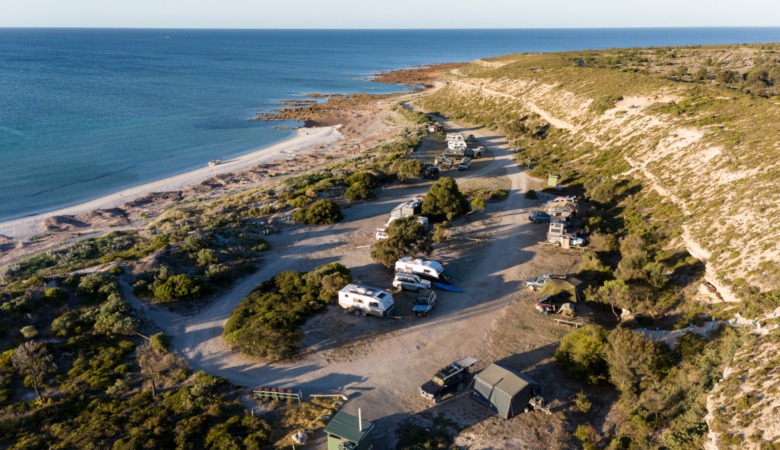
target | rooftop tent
[
  {"x": 567, "y": 290},
  {"x": 345, "y": 434},
  {"x": 506, "y": 392}
]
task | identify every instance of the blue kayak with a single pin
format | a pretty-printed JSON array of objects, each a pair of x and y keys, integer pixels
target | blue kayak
[{"x": 446, "y": 287}]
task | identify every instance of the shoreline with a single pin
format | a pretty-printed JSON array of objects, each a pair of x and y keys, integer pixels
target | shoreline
[{"x": 304, "y": 140}]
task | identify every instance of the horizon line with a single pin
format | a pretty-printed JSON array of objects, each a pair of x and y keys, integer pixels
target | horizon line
[{"x": 391, "y": 29}]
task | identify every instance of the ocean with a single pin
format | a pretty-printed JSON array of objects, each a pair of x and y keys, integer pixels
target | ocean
[{"x": 88, "y": 112}]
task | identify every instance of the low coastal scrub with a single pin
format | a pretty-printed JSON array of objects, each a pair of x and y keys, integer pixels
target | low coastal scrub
[
  {"x": 663, "y": 393},
  {"x": 321, "y": 212},
  {"x": 266, "y": 323}
]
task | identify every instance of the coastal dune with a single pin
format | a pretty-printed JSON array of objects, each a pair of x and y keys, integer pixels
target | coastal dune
[{"x": 304, "y": 141}]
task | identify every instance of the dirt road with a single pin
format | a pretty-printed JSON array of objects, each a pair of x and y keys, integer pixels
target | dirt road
[{"x": 382, "y": 371}]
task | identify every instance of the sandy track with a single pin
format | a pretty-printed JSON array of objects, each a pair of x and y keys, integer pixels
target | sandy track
[
  {"x": 382, "y": 372},
  {"x": 304, "y": 141}
]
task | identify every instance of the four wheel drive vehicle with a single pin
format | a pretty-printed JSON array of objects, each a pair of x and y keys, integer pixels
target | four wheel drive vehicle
[
  {"x": 443, "y": 162},
  {"x": 577, "y": 241},
  {"x": 424, "y": 303},
  {"x": 471, "y": 138},
  {"x": 381, "y": 233},
  {"x": 453, "y": 378},
  {"x": 465, "y": 163},
  {"x": 478, "y": 152},
  {"x": 362, "y": 299},
  {"x": 430, "y": 171},
  {"x": 410, "y": 281},
  {"x": 539, "y": 217},
  {"x": 535, "y": 283}
]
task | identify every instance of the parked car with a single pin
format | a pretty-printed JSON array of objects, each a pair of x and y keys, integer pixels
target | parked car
[
  {"x": 430, "y": 171},
  {"x": 471, "y": 138},
  {"x": 410, "y": 281},
  {"x": 424, "y": 303},
  {"x": 478, "y": 152},
  {"x": 539, "y": 217},
  {"x": 453, "y": 378},
  {"x": 465, "y": 163},
  {"x": 535, "y": 283}
]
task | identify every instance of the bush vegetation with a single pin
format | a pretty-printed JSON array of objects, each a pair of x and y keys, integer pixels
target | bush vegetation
[
  {"x": 444, "y": 200},
  {"x": 321, "y": 212},
  {"x": 266, "y": 323},
  {"x": 405, "y": 237}
]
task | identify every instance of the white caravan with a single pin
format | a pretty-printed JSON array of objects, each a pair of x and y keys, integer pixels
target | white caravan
[
  {"x": 362, "y": 300},
  {"x": 430, "y": 270}
]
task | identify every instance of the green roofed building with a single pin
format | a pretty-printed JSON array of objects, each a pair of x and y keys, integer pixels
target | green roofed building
[
  {"x": 344, "y": 433},
  {"x": 506, "y": 392}
]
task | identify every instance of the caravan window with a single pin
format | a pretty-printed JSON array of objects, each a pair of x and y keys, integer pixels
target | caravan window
[
  {"x": 357, "y": 300},
  {"x": 427, "y": 271},
  {"x": 374, "y": 305}
]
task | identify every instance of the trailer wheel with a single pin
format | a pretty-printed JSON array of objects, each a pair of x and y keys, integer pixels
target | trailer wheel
[{"x": 358, "y": 312}]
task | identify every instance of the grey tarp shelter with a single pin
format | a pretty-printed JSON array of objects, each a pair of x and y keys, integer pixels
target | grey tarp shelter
[
  {"x": 506, "y": 391},
  {"x": 344, "y": 433}
]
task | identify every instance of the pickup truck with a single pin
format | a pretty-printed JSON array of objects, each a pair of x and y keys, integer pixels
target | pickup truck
[
  {"x": 424, "y": 303},
  {"x": 453, "y": 378}
]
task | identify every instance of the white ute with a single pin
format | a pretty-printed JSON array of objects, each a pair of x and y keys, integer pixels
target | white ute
[{"x": 362, "y": 299}]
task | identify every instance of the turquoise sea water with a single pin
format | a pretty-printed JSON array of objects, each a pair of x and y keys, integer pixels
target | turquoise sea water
[{"x": 84, "y": 113}]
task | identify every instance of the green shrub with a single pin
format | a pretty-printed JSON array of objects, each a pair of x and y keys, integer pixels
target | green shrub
[
  {"x": 406, "y": 169},
  {"x": 405, "y": 236},
  {"x": 180, "y": 287},
  {"x": 29, "y": 332},
  {"x": 359, "y": 191},
  {"x": 265, "y": 324},
  {"x": 444, "y": 200},
  {"x": 366, "y": 178},
  {"x": 116, "y": 270},
  {"x": 321, "y": 212},
  {"x": 581, "y": 354}
]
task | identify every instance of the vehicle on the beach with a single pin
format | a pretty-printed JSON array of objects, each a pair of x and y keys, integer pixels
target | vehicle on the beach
[
  {"x": 215, "y": 162},
  {"x": 453, "y": 378},
  {"x": 410, "y": 282},
  {"x": 465, "y": 163},
  {"x": 424, "y": 303},
  {"x": 539, "y": 217},
  {"x": 363, "y": 300},
  {"x": 535, "y": 283}
]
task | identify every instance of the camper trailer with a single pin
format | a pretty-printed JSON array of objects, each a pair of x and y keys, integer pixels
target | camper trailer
[
  {"x": 456, "y": 146},
  {"x": 430, "y": 270},
  {"x": 455, "y": 137},
  {"x": 362, "y": 300},
  {"x": 408, "y": 208}
]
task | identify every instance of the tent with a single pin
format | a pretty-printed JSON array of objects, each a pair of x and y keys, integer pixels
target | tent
[
  {"x": 567, "y": 290},
  {"x": 506, "y": 392}
]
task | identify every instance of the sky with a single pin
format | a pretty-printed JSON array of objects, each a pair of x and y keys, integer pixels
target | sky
[{"x": 388, "y": 14}]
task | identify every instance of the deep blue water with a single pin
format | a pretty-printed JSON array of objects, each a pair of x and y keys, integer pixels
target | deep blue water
[{"x": 84, "y": 113}]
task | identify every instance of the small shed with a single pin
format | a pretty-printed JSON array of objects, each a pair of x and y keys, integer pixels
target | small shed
[
  {"x": 345, "y": 433},
  {"x": 567, "y": 290},
  {"x": 553, "y": 180},
  {"x": 506, "y": 392}
]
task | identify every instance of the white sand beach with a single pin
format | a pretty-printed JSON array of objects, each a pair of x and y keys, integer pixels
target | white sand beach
[{"x": 305, "y": 140}]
